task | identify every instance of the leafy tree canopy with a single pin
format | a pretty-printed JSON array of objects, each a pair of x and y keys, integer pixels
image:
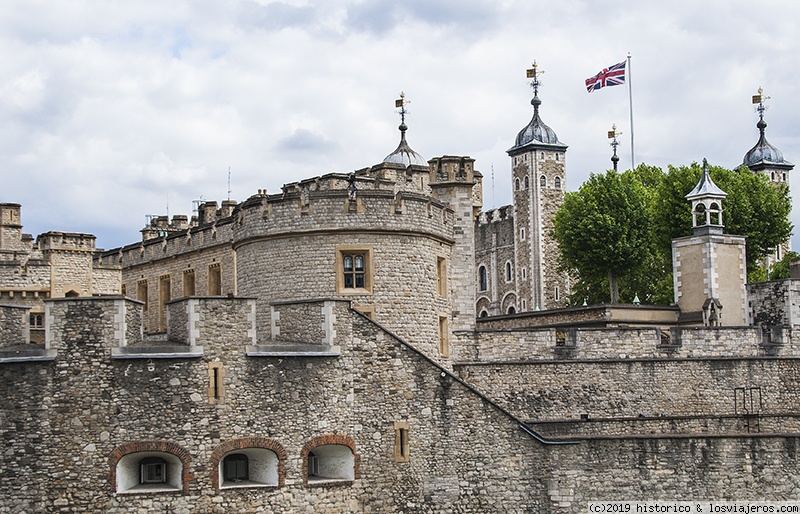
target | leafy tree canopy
[{"x": 616, "y": 231}]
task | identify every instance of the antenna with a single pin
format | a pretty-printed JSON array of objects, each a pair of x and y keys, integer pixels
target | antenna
[
  {"x": 229, "y": 182},
  {"x": 493, "y": 204}
]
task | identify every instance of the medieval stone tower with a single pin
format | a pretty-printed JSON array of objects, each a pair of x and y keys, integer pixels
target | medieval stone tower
[
  {"x": 538, "y": 164},
  {"x": 765, "y": 158}
]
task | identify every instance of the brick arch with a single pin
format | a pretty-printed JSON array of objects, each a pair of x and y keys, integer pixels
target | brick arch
[
  {"x": 323, "y": 440},
  {"x": 244, "y": 443},
  {"x": 151, "y": 446}
]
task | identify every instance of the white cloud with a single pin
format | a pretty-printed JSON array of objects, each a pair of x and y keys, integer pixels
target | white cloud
[{"x": 110, "y": 111}]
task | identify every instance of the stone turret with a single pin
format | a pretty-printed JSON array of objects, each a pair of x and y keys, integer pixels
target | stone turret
[{"x": 709, "y": 267}]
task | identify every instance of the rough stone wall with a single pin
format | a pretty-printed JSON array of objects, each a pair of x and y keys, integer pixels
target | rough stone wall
[
  {"x": 106, "y": 280},
  {"x": 287, "y": 247},
  {"x": 196, "y": 250},
  {"x": 13, "y": 325},
  {"x": 404, "y": 279},
  {"x": 627, "y": 388},
  {"x": 776, "y": 302},
  {"x": 494, "y": 248},
  {"x": 669, "y": 469},
  {"x": 465, "y": 454},
  {"x": 551, "y": 198},
  {"x": 617, "y": 343}
]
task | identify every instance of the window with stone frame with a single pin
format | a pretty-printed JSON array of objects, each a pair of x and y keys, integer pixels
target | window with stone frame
[
  {"x": 188, "y": 282},
  {"x": 482, "y": 278},
  {"x": 215, "y": 279},
  {"x": 141, "y": 293},
  {"x": 444, "y": 336},
  {"x": 354, "y": 270},
  {"x": 401, "y": 445},
  {"x": 441, "y": 276}
]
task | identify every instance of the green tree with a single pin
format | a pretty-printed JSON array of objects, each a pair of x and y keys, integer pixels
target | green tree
[
  {"x": 780, "y": 270},
  {"x": 600, "y": 230},
  {"x": 603, "y": 229},
  {"x": 754, "y": 208}
]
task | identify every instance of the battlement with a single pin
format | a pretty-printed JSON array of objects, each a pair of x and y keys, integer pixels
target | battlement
[
  {"x": 66, "y": 241},
  {"x": 503, "y": 213}
]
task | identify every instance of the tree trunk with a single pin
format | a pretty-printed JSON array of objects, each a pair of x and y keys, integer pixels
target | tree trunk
[{"x": 614, "y": 287}]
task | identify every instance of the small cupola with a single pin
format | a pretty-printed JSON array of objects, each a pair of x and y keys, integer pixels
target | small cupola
[
  {"x": 404, "y": 154},
  {"x": 536, "y": 132},
  {"x": 763, "y": 156},
  {"x": 706, "y": 199}
]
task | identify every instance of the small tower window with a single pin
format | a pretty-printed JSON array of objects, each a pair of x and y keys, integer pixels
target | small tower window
[
  {"x": 508, "y": 272},
  {"x": 527, "y": 183},
  {"x": 516, "y": 184},
  {"x": 557, "y": 182},
  {"x": 482, "y": 282},
  {"x": 557, "y": 157},
  {"x": 543, "y": 181}
]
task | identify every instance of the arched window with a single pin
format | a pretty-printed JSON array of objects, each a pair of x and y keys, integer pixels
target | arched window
[
  {"x": 484, "y": 314},
  {"x": 543, "y": 181},
  {"x": 148, "y": 471},
  {"x": 516, "y": 184},
  {"x": 508, "y": 272},
  {"x": 249, "y": 462},
  {"x": 773, "y": 175},
  {"x": 512, "y": 310},
  {"x": 482, "y": 281},
  {"x": 557, "y": 182},
  {"x": 328, "y": 459},
  {"x": 542, "y": 155},
  {"x": 557, "y": 157},
  {"x": 527, "y": 183}
]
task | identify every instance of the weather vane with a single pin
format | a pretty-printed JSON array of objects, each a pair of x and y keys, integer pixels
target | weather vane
[
  {"x": 533, "y": 73},
  {"x": 612, "y": 135},
  {"x": 401, "y": 103},
  {"x": 760, "y": 99}
]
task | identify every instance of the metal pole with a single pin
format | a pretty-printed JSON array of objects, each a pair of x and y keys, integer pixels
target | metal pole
[{"x": 630, "y": 107}]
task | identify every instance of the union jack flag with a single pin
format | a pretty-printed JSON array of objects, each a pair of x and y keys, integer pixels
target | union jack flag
[{"x": 611, "y": 76}]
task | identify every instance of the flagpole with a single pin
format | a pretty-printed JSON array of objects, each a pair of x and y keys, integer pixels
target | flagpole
[{"x": 630, "y": 107}]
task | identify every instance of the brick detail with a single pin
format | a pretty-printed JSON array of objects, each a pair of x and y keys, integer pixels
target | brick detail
[
  {"x": 322, "y": 441},
  {"x": 248, "y": 442},
  {"x": 150, "y": 446}
]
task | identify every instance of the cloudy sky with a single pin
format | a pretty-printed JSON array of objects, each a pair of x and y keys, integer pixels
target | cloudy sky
[{"x": 111, "y": 111}]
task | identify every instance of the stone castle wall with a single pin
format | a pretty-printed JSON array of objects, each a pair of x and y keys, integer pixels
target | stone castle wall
[
  {"x": 465, "y": 453},
  {"x": 93, "y": 409},
  {"x": 627, "y": 388},
  {"x": 494, "y": 249}
]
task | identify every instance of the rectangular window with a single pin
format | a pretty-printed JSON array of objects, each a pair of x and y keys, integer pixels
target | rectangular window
[
  {"x": 141, "y": 293},
  {"x": 401, "y": 441},
  {"x": 188, "y": 282},
  {"x": 164, "y": 295},
  {"x": 444, "y": 337},
  {"x": 154, "y": 472},
  {"x": 353, "y": 270},
  {"x": 441, "y": 276},
  {"x": 216, "y": 389},
  {"x": 215, "y": 280}
]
